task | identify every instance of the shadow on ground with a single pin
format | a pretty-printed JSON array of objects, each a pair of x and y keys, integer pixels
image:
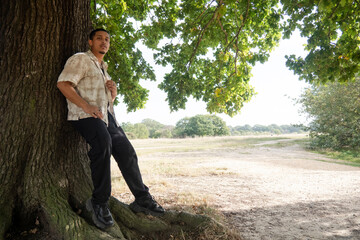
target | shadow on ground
[{"x": 313, "y": 220}]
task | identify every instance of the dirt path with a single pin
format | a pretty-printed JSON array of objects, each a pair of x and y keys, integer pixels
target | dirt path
[{"x": 268, "y": 192}]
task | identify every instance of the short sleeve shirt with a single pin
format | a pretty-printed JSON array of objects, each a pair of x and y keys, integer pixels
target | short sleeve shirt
[{"x": 88, "y": 77}]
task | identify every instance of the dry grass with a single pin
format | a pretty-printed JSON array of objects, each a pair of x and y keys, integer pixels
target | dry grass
[
  {"x": 164, "y": 159},
  {"x": 167, "y": 164}
]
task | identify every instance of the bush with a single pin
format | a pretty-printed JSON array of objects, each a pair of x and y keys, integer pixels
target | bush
[{"x": 334, "y": 111}]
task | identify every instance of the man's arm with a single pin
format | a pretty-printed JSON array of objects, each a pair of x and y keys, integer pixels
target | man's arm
[{"x": 69, "y": 92}]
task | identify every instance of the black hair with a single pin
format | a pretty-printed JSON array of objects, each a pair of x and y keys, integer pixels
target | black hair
[{"x": 92, "y": 34}]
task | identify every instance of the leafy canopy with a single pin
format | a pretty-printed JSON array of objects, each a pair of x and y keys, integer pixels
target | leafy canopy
[
  {"x": 332, "y": 29},
  {"x": 213, "y": 45}
]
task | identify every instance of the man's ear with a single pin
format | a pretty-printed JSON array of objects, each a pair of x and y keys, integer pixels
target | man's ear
[{"x": 90, "y": 42}]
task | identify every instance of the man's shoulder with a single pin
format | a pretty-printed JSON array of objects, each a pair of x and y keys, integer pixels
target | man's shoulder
[{"x": 79, "y": 57}]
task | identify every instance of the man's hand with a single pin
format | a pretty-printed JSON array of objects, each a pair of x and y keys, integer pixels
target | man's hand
[
  {"x": 113, "y": 89},
  {"x": 69, "y": 92},
  {"x": 93, "y": 111}
]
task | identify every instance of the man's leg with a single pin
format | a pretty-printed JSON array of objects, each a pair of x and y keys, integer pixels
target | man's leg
[
  {"x": 96, "y": 135},
  {"x": 127, "y": 160}
]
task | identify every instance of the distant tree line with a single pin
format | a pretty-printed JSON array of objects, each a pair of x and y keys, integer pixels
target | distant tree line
[
  {"x": 260, "y": 129},
  {"x": 148, "y": 128},
  {"x": 199, "y": 126}
]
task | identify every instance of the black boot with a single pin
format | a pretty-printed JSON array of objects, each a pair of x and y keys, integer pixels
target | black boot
[
  {"x": 147, "y": 205},
  {"x": 101, "y": 215}
]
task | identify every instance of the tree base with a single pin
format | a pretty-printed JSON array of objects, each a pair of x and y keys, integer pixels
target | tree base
[{"x": 172, "y": 225}]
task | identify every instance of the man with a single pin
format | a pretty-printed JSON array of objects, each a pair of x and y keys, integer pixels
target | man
[{"x": 90, "y": 94}]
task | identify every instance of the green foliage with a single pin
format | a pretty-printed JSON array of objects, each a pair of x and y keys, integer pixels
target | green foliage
[
  {"x": 219, "y": 126},
  {"x": 141, "y": 131},
  {"x": 332, "y": 29},
  {"x": 137, "y": 130},
  {"x": 216, "y": 44},
  {"x": 212, "y": 45},
  {"x": 334, "y": 110},
  {"x": 126, "y": 64},
  {"x": 157, "y": 130},
  {"x": 182, "y": 128},
  {"x": 201, "y": 125},
  {"x": 347, "y": 156}
]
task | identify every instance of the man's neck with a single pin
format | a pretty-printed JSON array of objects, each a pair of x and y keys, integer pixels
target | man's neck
[{"x": 99, "y": 56}]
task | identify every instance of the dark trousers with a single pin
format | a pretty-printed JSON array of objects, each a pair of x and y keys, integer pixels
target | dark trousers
[{"x": 104, "y": 142}]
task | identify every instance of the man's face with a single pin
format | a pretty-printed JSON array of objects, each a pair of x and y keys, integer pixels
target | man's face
[{"x": 100, "y": 42}]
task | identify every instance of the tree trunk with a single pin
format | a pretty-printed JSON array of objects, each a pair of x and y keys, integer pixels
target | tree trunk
[{"x": 44, "y": 169}]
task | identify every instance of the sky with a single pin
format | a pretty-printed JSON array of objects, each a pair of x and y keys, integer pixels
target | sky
[{"x": 274, "y": 103}]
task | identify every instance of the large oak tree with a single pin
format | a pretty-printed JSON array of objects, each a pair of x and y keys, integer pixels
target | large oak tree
[
  {"x": 211, "y": 47},
  {"x": 44, "y": 171}
]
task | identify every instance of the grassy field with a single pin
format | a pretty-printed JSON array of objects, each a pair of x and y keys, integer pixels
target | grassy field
[{"x": 347, "y": 157}]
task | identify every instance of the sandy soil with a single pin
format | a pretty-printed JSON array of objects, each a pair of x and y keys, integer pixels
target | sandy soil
[{"x": 269, "y": 192}]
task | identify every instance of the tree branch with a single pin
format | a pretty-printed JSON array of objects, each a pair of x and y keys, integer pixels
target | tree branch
[
  {"x": 200, "y": 36},
  {"x": 236, "y": 37},
  {"x": 334, "y": 10},
  {"x": 222, "y": 28},
  {"x": 204, "y": 11}
]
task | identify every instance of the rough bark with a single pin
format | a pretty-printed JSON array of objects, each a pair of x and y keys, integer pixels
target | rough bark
[
  {"x": 44, "y": 169},
  {"x": 41, "y": 169}
]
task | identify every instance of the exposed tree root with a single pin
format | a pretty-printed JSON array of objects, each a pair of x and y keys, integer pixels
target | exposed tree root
[{"x": 71, "y": 223}]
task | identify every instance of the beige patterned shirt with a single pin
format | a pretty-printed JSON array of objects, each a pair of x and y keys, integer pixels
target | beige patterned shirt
[{"x": 88, "y": 77}]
